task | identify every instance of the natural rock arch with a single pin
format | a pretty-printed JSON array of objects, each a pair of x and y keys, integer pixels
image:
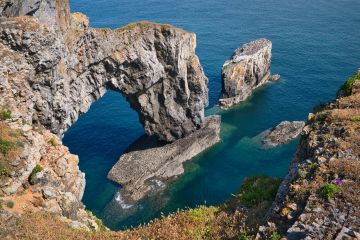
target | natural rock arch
[{"x": 64, "y": 65}]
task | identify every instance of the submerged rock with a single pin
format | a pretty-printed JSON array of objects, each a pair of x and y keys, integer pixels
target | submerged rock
[
  {"x": 248, "y": 68},
  {"x": 282, "y": 133},
  {"x": 141, "y": 171}
]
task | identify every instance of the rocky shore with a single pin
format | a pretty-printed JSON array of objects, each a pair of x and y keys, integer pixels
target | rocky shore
[
  {"x": 138, "y": 172},
  {"x": 282, "y": 133},
  {"x": 248, "y": 69}
]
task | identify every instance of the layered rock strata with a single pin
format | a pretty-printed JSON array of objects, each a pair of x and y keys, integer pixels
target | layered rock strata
[
  {"x": 53, "y": 66},
  {"x": 319, "y": 198},
  {"x": 248, "y": 69},
  {"x": 40, "y": 174},
  {"x": 62, "y": 66},
  {"x": 138, "y": 171},
  {"x": 282, "y": 133}
]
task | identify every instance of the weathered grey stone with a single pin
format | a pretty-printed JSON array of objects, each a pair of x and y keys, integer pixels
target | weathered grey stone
[
  {"x": 282, "y": 133},
  {"x": 248, "y": 68},
  {"x": 136, "y": 171},
  {"x": 63, "y": 68}
]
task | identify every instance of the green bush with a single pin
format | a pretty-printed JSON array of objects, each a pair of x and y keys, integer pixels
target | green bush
[
  {"x": 98, "y": 221},
  {"x": 36, "y": 170},
  {"x": 275, "y": 236},
  {"x": 347, "y": 87},
  {"x": 244, "y": 236},
  {"x": 328, "y": 190},
  {"x": 258, "y": 189},
  {"x": 4, "y": 172},
  {"x": 6, "y": 146},
  {"x": 53, "y": 142},
  {"x": 356, "y": 119},
  {"x": 5, "y": 114},
  {"x": 10, "y": 204}
]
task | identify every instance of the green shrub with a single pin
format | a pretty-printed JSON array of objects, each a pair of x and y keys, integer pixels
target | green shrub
[
  {"x": 275, "y": 236},
  {"x": 10, "y": 204},
  {"x": 258, "y": 189},
  {"x": 328, "y": 190},
  {"x": 4, "y": 172},
  {"x": 244, "y": 236},
  {"x": 53, "y": 142},
  {"x": 98, "y": 221},
  {"x": 347, "y": 87},
  {"x": 5, "y": 114},
  {"x": 6, "y": 146},
  {"x": 356, "y": 119},
  {"x": 36, "y": 170}
]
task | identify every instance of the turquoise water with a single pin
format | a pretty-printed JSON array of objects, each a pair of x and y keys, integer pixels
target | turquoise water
[{"x": 315, "y": 47}]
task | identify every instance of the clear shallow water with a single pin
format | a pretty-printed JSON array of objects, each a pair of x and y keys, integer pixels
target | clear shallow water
[{"x": 315, "y": 47}]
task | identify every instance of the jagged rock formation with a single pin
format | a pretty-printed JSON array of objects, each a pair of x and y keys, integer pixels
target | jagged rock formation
[
  {"x": 248, "y": 68},
  {"x": 282, "y": 133},
  {"x": 138, "y": 175},
  {"x": 319, "y": 198},
  {"x": 37, "y": 173},
  {"x": 63, "y": 66},
  {"x": 53, "y": 66}
]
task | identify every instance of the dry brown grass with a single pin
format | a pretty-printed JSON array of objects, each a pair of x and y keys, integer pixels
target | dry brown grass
[{"x": 200, "y": 223}]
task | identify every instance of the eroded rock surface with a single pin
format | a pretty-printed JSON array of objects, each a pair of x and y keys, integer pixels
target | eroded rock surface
[
  {"x": 40, "y": 174},
  {"x": 282, "y": 133},
  {"x": 319, "y": 198},
  {"x": 138, "y": 171},
  {"x": 248, "y": 68},
  {"x": 63, "y": 66}
]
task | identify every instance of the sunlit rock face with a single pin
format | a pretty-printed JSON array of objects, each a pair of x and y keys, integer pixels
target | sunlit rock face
[
  {"x": 63, "y": 65},
  {"x": 248, "y": 68}
]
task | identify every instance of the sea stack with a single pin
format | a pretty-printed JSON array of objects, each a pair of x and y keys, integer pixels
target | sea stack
[{"x": 248, "y": 68}]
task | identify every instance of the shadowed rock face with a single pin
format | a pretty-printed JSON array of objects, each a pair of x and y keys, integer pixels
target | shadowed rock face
[
  {"x": 248, "y": 68},
  {"x": 63, "y": 65}
]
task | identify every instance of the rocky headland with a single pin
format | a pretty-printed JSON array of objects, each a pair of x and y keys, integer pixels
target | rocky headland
[
  {"x": 281, "y": 134},
  {"x": 53, "y": 66},
  {"x": 248, "y": 69}
]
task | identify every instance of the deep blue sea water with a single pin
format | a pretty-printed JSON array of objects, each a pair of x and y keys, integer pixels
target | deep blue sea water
[{"x": 315, "y": 48}]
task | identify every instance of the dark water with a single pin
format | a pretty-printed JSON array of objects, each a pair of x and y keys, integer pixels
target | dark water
[{"x": 315, "y": 47}]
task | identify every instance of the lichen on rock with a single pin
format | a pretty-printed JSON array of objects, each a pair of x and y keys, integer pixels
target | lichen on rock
[{"x": 248, "y": 69}]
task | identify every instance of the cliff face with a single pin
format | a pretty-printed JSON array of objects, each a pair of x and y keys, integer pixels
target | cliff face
[
  {"x": 63, "y": 66},
  {"x": 248, "y": 68},
  {"x": 319, "y": 198},
  {"x": 53, "y": 66}
]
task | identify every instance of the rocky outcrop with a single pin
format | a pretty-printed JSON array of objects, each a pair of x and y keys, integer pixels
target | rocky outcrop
[
  {"x": 40, "y": 174},
  {"x": 64, "y": 65},
  {"x": 53, "y": 66},
  {"x": 282, "y": 133},
  {"x": 141, "y": 171},
  {"x": 248, "y": 68},
  {"x": 319, "y": 198}
]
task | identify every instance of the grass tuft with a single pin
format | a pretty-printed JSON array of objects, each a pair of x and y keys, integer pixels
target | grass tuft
[
  {"x": 10, "y": 204},
  {"x": 258, "y": 189},
  {"x": 5, "y": 114},
  {"x": 328, "y": 190},
  {"x": 347, "y": 87}
]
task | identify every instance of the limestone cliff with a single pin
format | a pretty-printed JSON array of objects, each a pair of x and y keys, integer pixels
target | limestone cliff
[
  {"x": 53, "y": 66},
  {"x": 319, "y": 198},
  {"x": 63, "y": 65},
  {"x": 248, "y": 68}
]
